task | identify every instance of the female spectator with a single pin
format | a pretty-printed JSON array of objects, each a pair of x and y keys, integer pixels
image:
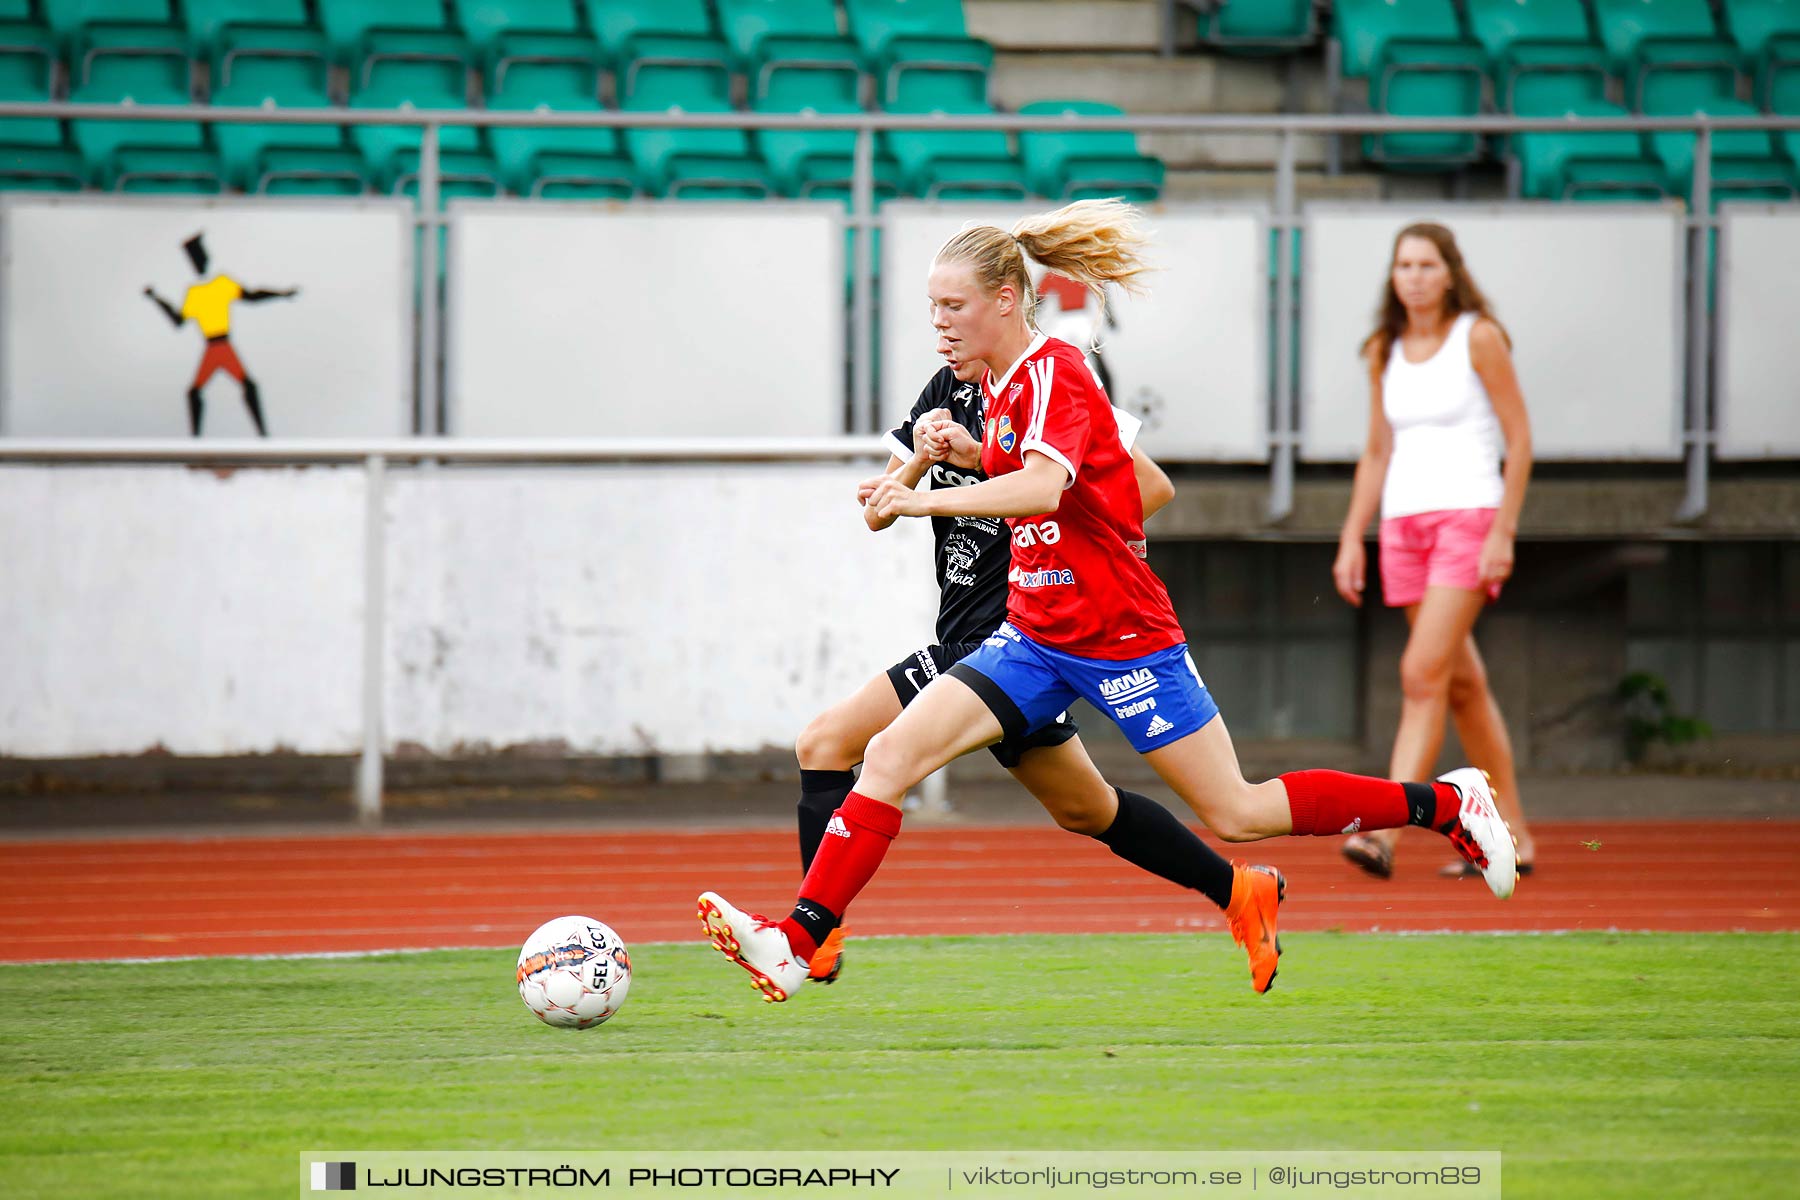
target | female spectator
[{"x": 1444, "y": 406}]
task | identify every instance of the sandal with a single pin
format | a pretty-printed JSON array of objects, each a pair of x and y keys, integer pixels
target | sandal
[
  {"x": 1369, "y": 855},
  {"x": 1468, "y": 870}
]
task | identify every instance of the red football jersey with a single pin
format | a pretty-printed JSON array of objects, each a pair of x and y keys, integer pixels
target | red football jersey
[{"x": 1079, "y": 582}]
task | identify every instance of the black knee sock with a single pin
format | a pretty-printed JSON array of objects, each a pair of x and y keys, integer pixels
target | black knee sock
[
  {"x": 821, "y": 794},
  {"x": 196, "y": 407},
  {"x": 1147, "y": 835}
]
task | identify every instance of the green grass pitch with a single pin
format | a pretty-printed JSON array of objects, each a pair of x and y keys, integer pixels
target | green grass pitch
[{"x": 1600, "y": 1065}]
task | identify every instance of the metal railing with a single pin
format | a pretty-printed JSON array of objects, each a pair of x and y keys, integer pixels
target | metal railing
[{"x": 864, "y": 221}]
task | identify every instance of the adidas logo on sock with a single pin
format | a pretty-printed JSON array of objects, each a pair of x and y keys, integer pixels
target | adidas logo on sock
[
  {"x": 1157, "y": 727},
  {"x": 1354, "y": 826},
  {"x": 836, "y": 827}
]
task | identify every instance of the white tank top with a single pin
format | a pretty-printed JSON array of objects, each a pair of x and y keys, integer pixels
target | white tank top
[{"x": 1447, "y": 443}]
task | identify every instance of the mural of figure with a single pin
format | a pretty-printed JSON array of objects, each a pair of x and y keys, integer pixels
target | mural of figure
[{"x": 208, "y": 305}]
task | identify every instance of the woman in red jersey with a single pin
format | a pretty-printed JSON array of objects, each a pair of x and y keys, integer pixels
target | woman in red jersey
[
  {"x": 1086, "y": 619},
  {"x": 940, "y": 442}
]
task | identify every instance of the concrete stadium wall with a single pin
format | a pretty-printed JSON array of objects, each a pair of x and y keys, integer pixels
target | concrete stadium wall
[{"x": 623, "y": 610}]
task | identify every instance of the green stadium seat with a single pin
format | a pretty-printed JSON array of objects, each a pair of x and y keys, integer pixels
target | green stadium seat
[
  {"x": 1668, "y": 51},
  {"x": 380, "y": 144},
  {"x": 1257, "y": 26},
  {"x": 242, "y": 147},
  {"x": 773, "y": 39},
  {"x": 33, "y": 156},
  {"x": 272, "y": 38},
  {"x": 536, "y": 47},
  {"x": 462, "y": 175},
  {"x": 95, "y": 29},
  {"x": 560, "y": 162},
  {"x": 1081, "y": 164},
  {"x": 885, "y": 187},
  {"x": 122, "y": 82},
  {"x": 1587, "y": 165},
  {"x": 309, "y": 171},
  {"x": 819, "y": 163},
  {"x": 28, "y": 76},
  {"x": 1745, "y": 163},
  {"x": 1767, "y": 33},
  {"x": 957, "y": 164},
  {"x": 1416, "y": 63},
  {"x": 396, "y": 45},
  {"x": 661, "y": 38},
  {"x": 40, "y": 169},
  {"x": 1544, "y": 53},
  {"x": 27, "y": 58},
  {"x": 165, "y": 169},
  {"x": 692, "y": 163},
  {"x": 921, "y": 53}
]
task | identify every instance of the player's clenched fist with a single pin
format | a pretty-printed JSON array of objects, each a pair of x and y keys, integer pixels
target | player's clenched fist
[
  {"x": 866, "y": 488},
  {"x": 948, "y": 441},
  {"x": 891, "y": 498}
]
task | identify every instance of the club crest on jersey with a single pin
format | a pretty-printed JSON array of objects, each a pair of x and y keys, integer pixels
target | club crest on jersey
[{"x": 1004, "y": 435}]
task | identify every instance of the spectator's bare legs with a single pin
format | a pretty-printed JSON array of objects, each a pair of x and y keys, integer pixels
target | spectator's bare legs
[
  {"x": 1485, "y": 742},
  {"x": 1441, "y": 673}
]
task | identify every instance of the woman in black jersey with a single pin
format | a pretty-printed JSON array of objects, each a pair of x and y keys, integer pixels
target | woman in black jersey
[{"x": 941, "y": 437}]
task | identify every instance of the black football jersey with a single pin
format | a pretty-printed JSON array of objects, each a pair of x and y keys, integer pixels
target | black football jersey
[{"x": 973, "y": 553}]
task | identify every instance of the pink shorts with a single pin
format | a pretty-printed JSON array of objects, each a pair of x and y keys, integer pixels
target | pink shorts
[{"x": 1434, "y": 549}]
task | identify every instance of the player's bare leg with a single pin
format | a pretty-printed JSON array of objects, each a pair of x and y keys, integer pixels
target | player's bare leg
[
  {"x": 946, "y": 722},
  {"x": 837, "y": 738},
  {"x": 1069, "y": 786}
]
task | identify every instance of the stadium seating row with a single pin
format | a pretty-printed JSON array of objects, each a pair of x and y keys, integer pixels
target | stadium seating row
[
  {"x": 554, "y": 55},
  {"x": 1584, "y": 58},
  {"x": 901, "y": 42}
]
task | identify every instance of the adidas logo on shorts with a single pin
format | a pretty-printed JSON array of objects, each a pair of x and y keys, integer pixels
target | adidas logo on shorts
[
  {"x": 836, "y": 827},
  {"x": 1157, "y": 727}
]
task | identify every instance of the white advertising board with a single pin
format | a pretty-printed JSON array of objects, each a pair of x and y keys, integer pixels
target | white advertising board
[
  {"x": 1758, "y": 384},
  {"x": 680, "y": 319},
  {"x": 86, "y": 352}
]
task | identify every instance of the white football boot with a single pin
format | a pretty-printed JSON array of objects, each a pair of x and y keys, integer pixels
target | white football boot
[
  {"x": 754, "y": 943},
  {"x": 1479, "y": 834}
]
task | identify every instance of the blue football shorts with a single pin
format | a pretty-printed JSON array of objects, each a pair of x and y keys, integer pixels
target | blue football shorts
[{"x": 1154, "y": 700}]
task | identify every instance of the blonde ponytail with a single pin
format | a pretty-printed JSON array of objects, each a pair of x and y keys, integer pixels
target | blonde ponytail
[{"x": 1093, "y": 242}]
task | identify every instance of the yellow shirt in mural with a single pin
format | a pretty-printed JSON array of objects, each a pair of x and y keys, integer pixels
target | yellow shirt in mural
[{"x": 208, "y": 305}]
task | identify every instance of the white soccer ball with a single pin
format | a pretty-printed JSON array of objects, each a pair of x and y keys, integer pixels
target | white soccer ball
[{"x": 574, "y": 972}]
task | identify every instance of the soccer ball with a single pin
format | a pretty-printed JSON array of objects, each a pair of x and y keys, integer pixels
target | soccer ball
[{"x": 574, "y": 972}]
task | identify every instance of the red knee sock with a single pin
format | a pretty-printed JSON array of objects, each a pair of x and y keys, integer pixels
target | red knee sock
[
  {"x": 855, "y": 842},
  {"x": 1329, "y": 803}
]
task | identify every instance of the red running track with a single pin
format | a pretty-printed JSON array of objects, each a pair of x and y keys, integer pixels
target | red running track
[{"x": 290, "y": 895}]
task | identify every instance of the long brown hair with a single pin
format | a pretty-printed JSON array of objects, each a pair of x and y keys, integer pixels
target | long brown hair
[
  {"x": 1093, "y": 242},
  {"x": 1463, "y": 296}
]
